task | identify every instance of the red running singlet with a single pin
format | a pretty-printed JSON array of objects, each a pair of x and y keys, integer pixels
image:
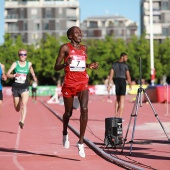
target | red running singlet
[{"x": 76, "y": 78}]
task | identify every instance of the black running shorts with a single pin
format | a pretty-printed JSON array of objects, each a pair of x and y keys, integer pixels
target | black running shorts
[{"x": 120, "y": 86}]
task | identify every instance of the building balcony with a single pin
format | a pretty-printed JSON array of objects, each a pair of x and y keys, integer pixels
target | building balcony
[
  {"x": 11, "y": 20},
  {"x": 43, "y": 3},
  {"x": 11, "y": 17}
]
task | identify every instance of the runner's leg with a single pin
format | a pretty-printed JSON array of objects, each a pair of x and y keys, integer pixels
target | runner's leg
[
  {"x": 17, "y": 103},
  {"x": 117, "y": 106},
  {"x": 83, "y": 97},
  {"x": 68, "y": 104},
  {"x": 121, "y": 108},
  {"x": 0, "y": 107},
  {"x": 24, "y": 97},
  {"x": 35, "y": 94}
]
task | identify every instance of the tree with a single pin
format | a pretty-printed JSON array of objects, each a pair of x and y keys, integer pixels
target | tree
[
  {"x": 44, "y": 60},
  {"x": 164, "y": 57},
  {"x": 105, "y": 52}
]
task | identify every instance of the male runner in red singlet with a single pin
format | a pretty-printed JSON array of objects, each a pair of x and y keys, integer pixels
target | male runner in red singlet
[{"x": 75, "y": 82}]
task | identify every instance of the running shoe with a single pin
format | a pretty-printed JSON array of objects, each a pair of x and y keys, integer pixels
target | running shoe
[
  {"x": 66, "y": 142},
  {"x": 21, "y": 125},
  {"x": 81, "y": 150}
]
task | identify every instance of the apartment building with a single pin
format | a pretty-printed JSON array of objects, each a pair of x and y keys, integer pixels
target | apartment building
[
  {"x": 161, "y": 19},
  {"x": 99, "y": 26},
  {"x": 33, "y": 19}
]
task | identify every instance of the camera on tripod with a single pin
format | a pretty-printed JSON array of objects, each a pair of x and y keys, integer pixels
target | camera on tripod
[{"x": 113, "y": 132}]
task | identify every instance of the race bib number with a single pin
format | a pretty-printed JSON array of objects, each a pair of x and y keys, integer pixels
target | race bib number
[
  {"x": 78, "y": 63},
  {"x": 20, "y": 78}
]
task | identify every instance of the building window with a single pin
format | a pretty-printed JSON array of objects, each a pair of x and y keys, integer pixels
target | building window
[
  {"x": 111, "y": 32},
  {"x": 156, "y": 6},
  {"x": 25, "y": 26},
  {"x": 165, "y": 5},
  {"x": 37, "y": 26},
  {"x": 70, "y": 24},
  {"x": 48, "y": 13},
  {"x": 165, "y": 31},
  {"x": 34, "y": 13},
  {"x": 122, "y": 32},
  {"x": 132, "y": 32},
  {"x": 116, "y": 23},
  {"x": 121, "y": 23},
  {"x": 46, "y": 26},
  {"x": 12, "y": 14},
  {"x": 97, "y": 33},
  {"x": 57, "y": 25},
  {"x": 90, "y": 33},
  {"x": 156, "y": 19},
  {"x": 167, "y": 18},
  {"x": 93, "y": 24},
  {"x": 71, "y": 13},
  {"x": 110, "y": 24},
  {"x": 22, "y": 14},
  {"x": 12, "y": 27},
  {"x": 24, "y": 38},
  {"x": 60, "y": 11}
]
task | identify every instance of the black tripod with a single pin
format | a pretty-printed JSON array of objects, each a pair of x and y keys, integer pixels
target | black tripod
[{"x": 134, "y": 113}]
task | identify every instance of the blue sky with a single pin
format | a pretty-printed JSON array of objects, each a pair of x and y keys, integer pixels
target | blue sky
[{"x": 127, "y": 8}]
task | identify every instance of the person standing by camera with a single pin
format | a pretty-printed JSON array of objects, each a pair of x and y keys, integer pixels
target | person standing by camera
[{"x": 120, "y": 73}]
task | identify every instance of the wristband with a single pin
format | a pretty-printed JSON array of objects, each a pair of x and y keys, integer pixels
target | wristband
[{"x": 88, "y": 65}]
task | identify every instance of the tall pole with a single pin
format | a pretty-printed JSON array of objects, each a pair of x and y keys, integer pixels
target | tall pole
[{"x": 151, "y": 44}]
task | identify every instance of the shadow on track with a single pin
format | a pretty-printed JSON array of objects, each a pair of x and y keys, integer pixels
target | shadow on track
[{"x": 32, "y": 153}]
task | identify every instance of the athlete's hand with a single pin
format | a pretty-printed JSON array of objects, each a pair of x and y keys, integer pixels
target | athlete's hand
[
  {"x": 4, "y": 77},
  {"x": 69, "y": 60},
  {"x": 35, "y": 79},
  {"x": 108, "y": 88},
  {"x": 130, "y": 87},
  {"x": 94, "y": 65}
]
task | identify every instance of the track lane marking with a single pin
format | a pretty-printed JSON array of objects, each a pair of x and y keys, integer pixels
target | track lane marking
[{"x": 15, "y": 154}]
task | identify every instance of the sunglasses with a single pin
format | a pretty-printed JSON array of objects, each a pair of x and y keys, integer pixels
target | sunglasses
[{"x": 22, "y": 54}]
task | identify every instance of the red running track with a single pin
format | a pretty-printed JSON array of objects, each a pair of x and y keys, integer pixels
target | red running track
[{"x": 39, "y": 145}]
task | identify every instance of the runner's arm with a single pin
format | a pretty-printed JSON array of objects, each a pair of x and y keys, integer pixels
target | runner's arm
[
  {"x": 32, "y": 71},
  {"x": 129, "y": 79},
  {"x": 3, "y": 72},
  {"x": 9, "y": 75},
  {"x": 63, "y": 53},
  {"x": 110, "y": 78}
]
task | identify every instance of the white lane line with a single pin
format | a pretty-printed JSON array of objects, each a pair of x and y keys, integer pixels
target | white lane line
[
  {"x": 17, "y": 140},
  {"x": 15, "y": 160}
]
